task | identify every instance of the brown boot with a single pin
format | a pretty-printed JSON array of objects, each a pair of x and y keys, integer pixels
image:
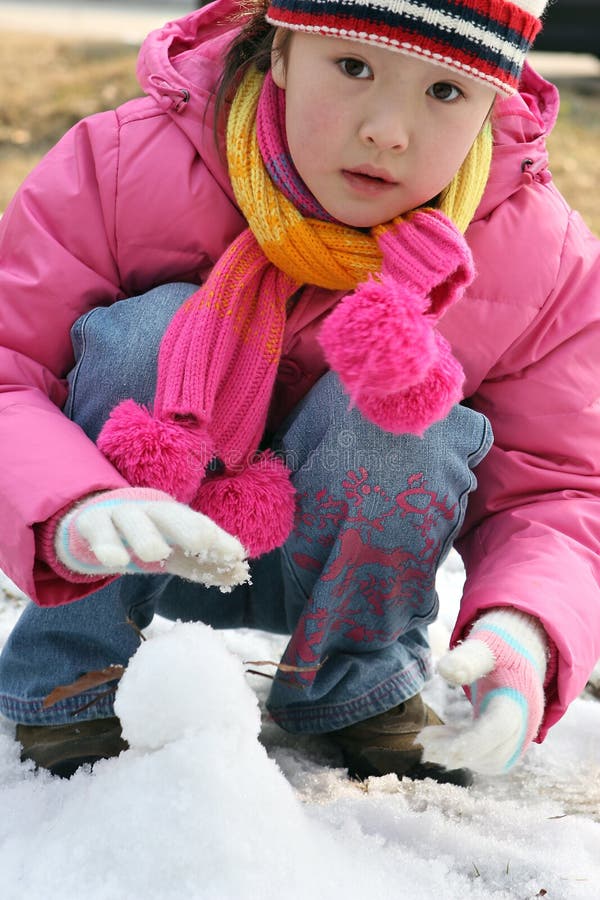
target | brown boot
[
  {"x": 62, "y": 749},
  {"x": 386, "y": 744}
]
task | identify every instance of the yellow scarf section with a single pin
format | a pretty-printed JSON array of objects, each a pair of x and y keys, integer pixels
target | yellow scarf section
[{"x": 327, "y": 254}]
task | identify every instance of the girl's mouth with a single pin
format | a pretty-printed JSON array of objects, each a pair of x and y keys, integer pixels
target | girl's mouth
[{"x": 370, "y": 181}]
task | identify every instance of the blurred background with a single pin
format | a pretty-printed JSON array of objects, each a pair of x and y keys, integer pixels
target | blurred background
[{"x": 61, "y": 61}]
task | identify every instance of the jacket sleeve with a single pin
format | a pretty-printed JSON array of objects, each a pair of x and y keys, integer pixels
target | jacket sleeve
[
  {"x": 532, "y": 535},
  {"x": 57, "y": 260}
]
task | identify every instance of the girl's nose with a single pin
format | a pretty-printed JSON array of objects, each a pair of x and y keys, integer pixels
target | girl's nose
[{"x": 385, "y": 130}]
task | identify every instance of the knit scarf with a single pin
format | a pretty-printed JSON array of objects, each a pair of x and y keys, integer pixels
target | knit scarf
[{"x": 218, "y": 359}]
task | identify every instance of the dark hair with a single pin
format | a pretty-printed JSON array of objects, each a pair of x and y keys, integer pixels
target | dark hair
[{"x": 252, "y": 46}]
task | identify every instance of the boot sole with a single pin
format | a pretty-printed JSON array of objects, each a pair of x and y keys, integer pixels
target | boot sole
[{"x": 404, "y": 765}]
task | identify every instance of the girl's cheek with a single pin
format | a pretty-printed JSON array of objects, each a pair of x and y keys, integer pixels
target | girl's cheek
[
  {"x": 305, "y": 120},
  {"x": 329, "y": 124}
]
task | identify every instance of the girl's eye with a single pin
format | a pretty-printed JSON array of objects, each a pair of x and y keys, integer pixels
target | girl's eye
[
  {"x": 442, "y": 90},
  {"x": 355, "y": 68}
]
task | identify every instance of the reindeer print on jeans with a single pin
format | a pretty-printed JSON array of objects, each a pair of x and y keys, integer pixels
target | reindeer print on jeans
[{"x": 371, "y": 560}]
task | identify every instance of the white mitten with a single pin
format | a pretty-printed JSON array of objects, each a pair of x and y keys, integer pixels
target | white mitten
[
  {"x": 140, "y": 530},
  {"x": 503, "y": 660}
]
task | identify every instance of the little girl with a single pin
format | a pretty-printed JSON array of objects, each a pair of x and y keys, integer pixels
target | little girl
[{"x": 240, "y": 320}]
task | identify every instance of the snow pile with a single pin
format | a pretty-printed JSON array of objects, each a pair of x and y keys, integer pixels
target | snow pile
[
  {"x": 200, "y": 809},
  {"x": 195, "y": 808}
]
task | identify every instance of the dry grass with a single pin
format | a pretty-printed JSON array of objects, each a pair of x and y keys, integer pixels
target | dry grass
[
  {"x": 575, "y": 147},
  {"x": 48, "y": 85}
]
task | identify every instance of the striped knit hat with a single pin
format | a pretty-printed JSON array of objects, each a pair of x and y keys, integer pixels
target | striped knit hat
[{"x": 484, "y": 39}]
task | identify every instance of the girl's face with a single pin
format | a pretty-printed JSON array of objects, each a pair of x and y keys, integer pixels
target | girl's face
[{"x": 374, "y": 133}]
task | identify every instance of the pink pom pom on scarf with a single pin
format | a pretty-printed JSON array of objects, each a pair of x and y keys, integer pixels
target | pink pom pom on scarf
[{"x": 381, "y": 339}]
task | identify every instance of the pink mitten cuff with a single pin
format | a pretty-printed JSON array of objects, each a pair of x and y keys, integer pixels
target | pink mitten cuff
[
  {"x": 72, "y": 552},
  {"x": 45, "y": 534}
]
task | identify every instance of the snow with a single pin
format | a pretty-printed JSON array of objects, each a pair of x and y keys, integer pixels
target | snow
[{"x": 213, "y": 801}]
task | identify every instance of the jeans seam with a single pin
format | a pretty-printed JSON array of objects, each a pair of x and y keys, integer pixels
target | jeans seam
[
  {"x": 415, "y": 675},
  {"x": 82, "y": 323},
  {"x": 292, "y": 572},
  {"x": 477, "y": 454},
  {"x": 20, "y": 710},
  {"x": 462, "y": 499}
]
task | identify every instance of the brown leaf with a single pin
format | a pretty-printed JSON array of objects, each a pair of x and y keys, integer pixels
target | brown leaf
[
  {"x": 262, "y": 674},
  {"x": 283, "y": 667},
  {"x": 89, "y": 680}
]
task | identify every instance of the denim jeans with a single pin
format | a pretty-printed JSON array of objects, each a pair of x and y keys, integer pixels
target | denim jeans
[{"x": 353, "y": 586}]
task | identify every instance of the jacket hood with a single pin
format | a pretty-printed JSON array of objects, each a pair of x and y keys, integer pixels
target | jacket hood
[
  {"x": 179, "y": 66},
  {"x": 520, "y": 124},
  {"x": 171, "y": 66}
]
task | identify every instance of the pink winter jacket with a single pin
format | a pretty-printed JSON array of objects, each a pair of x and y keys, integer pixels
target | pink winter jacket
[{"x": 140, "y": 196}]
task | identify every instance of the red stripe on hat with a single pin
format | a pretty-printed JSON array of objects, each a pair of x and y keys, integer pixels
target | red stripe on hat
[
  {"x": 394, "y": 38},
  {"x": 501, "y": 11}
]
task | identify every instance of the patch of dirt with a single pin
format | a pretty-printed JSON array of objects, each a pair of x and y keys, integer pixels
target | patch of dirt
[{"x": 49, "y": 84}]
